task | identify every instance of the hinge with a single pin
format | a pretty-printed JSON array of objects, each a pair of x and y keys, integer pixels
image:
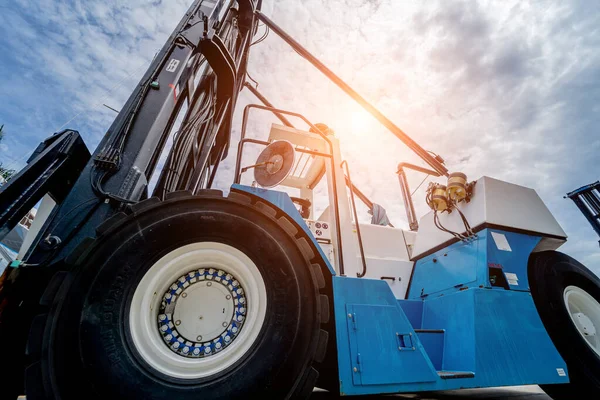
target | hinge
[
  {"x": 352, "y": 316},
  {"x": 356, "y": 369}
]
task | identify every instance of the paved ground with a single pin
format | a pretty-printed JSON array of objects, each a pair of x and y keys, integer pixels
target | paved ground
[{"x": 511, "y": 393}]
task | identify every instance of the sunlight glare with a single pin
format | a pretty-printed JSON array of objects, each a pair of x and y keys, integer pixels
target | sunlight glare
[{"x": 360, "y": 121}]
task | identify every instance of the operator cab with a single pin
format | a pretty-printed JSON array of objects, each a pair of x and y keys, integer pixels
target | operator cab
[{"x": 296, "y": 161}]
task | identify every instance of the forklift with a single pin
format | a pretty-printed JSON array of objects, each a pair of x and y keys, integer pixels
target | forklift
[{"x": 139, "y": 280}]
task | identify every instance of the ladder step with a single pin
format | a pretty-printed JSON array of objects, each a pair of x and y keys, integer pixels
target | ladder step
[
  {"x": 429, "y": 330},
  {"x": 455, "y": 374}
]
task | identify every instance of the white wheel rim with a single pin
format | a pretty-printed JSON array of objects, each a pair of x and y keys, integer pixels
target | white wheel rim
[
  {"x": 145, "y": 325},
  {"x": 584, "y": 311}
]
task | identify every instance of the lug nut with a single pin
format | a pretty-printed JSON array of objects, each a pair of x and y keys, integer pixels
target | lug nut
[
  {"x": 228, "y": 297},
  {"x": 199, "y": 338},
  {"x": 178, "y": 322},
  {"x": 184, "y": 295},
  {"x": 224, "y": 324},
  {"x": 208, "y": 283}
]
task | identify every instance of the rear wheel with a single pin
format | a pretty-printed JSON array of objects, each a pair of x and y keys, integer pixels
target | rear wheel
[
  {"x": 192, "y": 297},
  {"x": 567, "y": 297}
]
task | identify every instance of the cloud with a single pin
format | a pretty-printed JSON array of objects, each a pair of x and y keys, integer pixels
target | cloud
[{"x": 506, "y": 89}]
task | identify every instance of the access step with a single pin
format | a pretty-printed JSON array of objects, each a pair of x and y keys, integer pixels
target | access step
[
  {"x": 455, "y": 374},
  {"x": 433, "y": 342}
]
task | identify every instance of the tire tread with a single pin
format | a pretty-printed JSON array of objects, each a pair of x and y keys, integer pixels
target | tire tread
[{"x": 34, "y": 372}]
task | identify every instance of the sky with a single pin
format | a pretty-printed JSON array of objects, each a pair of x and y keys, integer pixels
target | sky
[{"x": 505, "y": 89}]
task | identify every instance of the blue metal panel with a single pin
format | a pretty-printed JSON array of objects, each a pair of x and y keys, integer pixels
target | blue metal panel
[
  {"x": 369, "y": 292},
  {"x": 413, "y": 309},
  {"x": 512, "y": 345},
  {"x": 455, "y": 313},
  {"x": 450, "y": 268},
  {"x": 513, "y": 261},
  {"x": 463, "y": 265},
  {"x": 496, "y": 334},
  {"x": 282, "y": 201},
  {"x": 433, "y": 343},
  {"x": 384, "y": 348}
]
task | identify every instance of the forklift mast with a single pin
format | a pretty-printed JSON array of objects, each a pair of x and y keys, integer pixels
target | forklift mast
[
  {"x": 587, "y": 199},
  {"x": 195, "y": 78}
]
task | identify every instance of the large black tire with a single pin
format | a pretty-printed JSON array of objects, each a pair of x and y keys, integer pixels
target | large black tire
[
  {"x": 550, "y": 273},
  {"x": 84, "y": 345}
]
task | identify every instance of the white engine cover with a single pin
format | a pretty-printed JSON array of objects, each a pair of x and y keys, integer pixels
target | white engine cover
[{"x": 497, "y": 203}]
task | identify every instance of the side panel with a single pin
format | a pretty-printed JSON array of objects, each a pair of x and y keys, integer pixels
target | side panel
[
  {"x": 495, "y": 259},
  {"x": 479, "y": 338},
  {"x": 384, "y": 347},
  {"x": 510, "y": 252},
  {"x": 371, "y": 357},
  {"x": 462, "y": 264},
  {"x": 513, "y": 347}
]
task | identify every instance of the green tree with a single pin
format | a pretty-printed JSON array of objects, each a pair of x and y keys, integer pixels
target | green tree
[{"x": 5, "y": 173}]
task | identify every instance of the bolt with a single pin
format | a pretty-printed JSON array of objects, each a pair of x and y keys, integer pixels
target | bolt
[
  {"x": 399, "y": 348},
  {"x": 201, "y": 317},
  {"x": 208, "y": 283},
  {"x": 349, "y": 315},
  {"x": 199, "y": 338},
  {"x": 413, "y": 348},
  {"x": 224, "y": 324},
  {"x": 184, "y": 295},
  {"x": 178, "y": 322},
  {"x": 355, "y": 369},
  {"x": 228, "y": 297}
]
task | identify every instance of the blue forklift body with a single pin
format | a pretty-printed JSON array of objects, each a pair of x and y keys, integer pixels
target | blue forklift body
[{"x": 468, "y": 320}]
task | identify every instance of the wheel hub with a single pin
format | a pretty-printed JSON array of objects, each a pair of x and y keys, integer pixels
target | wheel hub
[
  {"x": 584, "y": 324},
  {"x": 584, "y": 311},
  {"x": 202, "y": 312}
]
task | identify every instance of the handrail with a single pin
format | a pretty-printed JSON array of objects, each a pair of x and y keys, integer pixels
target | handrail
[
  {"x": 408, "y": 203},
  {"x": 360, "y": 243}
]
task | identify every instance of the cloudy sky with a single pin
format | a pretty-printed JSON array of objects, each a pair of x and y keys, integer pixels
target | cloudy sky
[{"x": 506, "y": 89}]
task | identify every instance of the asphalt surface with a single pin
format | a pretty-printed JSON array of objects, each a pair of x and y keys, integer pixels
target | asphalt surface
[{"x": 511, "y": 393}]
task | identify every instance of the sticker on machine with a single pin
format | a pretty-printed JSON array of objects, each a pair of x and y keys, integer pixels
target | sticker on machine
[
  {"x": 501, "y": 241},
  {"x": 512, "y": 279},
  {"x": 172, "y": 65},
  {"x": 561, "y": 372}
]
